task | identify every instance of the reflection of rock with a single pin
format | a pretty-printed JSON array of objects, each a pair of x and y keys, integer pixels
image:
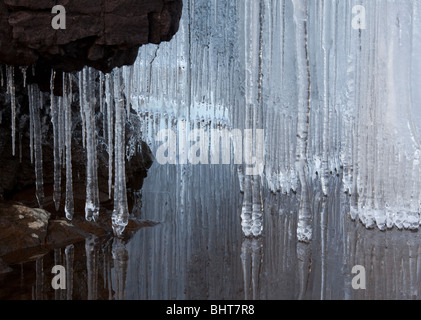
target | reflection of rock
[
  {"x": 21, "y": 227},
  {"x": 27, "y": 234},
  {"x": 62, "y": 232}
]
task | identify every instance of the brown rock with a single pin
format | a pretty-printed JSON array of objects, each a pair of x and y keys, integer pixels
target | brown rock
[
  {"x": 21, "y": 227},
  {"x": 4, "y": 268}
]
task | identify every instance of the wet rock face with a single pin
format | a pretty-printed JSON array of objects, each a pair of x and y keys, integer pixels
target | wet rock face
[{"x": 99, "y": 33}]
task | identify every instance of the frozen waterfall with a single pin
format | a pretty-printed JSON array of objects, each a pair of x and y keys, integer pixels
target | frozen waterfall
[{"x": 334, "y": 84}]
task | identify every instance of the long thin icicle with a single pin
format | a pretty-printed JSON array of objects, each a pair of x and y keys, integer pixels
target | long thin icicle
[
  {"x": 304, "y": 231},
  {"x": 69, "y": 204},
  {"x": 11, "y": 91},
  {"x": 92, "y": 193},
  {"x": 82, "y": 102},
  {"x": 34, "y": 105},
  {"x": 31, "y": 123},
  {"x": 1, "y": 76},
  {"x": 120, "y": 216},
  {"x": 110, "y": 114},
  {"x": 57, "y": 163}
]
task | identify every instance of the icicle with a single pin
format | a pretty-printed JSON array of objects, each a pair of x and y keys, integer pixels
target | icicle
[
  {"x": 24, "y": 70},
  {"x": 128, "y": 88},
  {"x": 110, "y": 114},
  {"x": 92, "y": 193},
  {"x": 304, "y": 231},
  {"x": 31, "y": 123},
  {"x": 120, "y": 214},
  {"x": 60, "y": 121},
  {"x": 1, "y": 76},
  {"x": 246, "y": 212},
  {"x": 34, "y": 105},
  {"x": 326, "y": 96},
  {"x": 69, "y": 204},
  {"x": 101, "y": 92},
  {"x": 82, "y": 102},
  {"x": 102, "y": 107},
  {"x": 57, "y": 162},
  {"x": 11, "y": 91}
]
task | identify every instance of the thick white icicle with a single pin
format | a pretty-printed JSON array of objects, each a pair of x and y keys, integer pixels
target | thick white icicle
[
  {"x": 252, "y": 215},
  {"x": 120, "y": 216},
  {"x": 57, "y": 163},
  {"x": 92, "y": 193},
  {"x": 246, "y": 210},
  {"x": 69, "y": 204},
  {"x": 34, "y": 105},
  {"x": 304, "y": 230}
]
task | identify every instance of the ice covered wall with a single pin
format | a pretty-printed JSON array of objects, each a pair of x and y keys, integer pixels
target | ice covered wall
[{"x": 336, "y": 96}]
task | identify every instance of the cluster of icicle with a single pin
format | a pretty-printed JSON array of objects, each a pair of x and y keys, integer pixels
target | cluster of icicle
[
  {"x": 332, "y": 99},
  {"x": 114, "y": 105}
]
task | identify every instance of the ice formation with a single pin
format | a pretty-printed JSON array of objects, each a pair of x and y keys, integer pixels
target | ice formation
[
  {"x": 336, "y": 96},
  {"x": 333, "y": 86}
]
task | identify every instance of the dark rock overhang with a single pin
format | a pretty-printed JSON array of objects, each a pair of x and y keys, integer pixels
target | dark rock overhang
[{"x": 102, "y": 34}]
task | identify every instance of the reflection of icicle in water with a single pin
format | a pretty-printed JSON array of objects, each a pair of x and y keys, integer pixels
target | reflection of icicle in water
[
  {"x": 69, "y": 252},
  {"x": 304, "y": 268},
  {"x": 39, "y": 282},
  {"x": 91, "y": 267},
  {"x": 120, "y": 258},
  {"x": 58, "y": 261},
  {"x": 252, "y": 259}
]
